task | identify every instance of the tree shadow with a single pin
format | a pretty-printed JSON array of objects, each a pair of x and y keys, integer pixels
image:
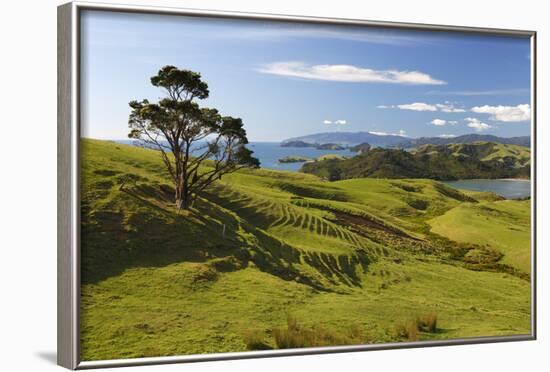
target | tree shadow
[{"x": 149, "y": 232}]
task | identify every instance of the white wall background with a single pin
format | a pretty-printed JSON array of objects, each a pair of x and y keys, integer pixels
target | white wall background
[{"x": 28, "y": 184}]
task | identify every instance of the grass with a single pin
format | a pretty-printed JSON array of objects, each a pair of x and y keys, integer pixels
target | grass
[
  {"x": 427, "y": 323},
  {"x": 503, "y": 225},
  {"x": 412, "y": 329},
  {"x": 295, "y": 335},
  {"x": 345, "y": 259},
  {"x": 255, "y": 340},
  {"x": 502, "y": 151},
  {"x": 407, "y": 331},
  {"x": 487, "y": 151}
]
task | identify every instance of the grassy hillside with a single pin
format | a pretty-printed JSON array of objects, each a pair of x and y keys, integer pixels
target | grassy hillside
[
  {"x": 512, "y": 155},
  {"x": 270, "y": 259},
  {"x": 512, "y": 233},
  {"x": 440, "y": 162},
  {"x": 524, "y": 141}
]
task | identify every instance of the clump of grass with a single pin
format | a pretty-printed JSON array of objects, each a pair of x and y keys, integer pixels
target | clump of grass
[
  {"x": 482, "y": 255},
  {"x": 205, "y": 273},
  {"x": 298, "y": 336},
  {"x": 410, "y": 330},
  {"x": 356, "y": 332},
  {"x": 255, "y": 340},
  {"x": 407, "y": 330},
  {"x": 427, "y": 323}
]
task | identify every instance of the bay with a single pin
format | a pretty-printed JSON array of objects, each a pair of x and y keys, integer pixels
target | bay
[{"x": 508, "y": 188}]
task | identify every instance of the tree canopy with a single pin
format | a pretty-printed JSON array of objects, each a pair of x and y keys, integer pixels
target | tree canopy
[{"x": 197, "y": 144}]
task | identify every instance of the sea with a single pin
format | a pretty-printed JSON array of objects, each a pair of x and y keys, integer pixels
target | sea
[
  {"x": 508, "y": 188},
  {"x": 270, "y": 152}
]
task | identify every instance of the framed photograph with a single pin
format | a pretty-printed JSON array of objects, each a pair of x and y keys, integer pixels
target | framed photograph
[{"x": 236, "y": 185}]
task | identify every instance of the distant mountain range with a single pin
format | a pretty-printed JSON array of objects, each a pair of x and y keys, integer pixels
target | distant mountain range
[
  {"x": 390, "y": 140},
  {"x": 349, "y": 138}
]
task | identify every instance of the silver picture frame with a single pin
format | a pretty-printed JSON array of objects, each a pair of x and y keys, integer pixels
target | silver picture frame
[{"x": 68, "y": 181}]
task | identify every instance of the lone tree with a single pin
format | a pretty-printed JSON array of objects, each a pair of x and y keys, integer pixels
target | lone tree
[{"x": 197, "y": 145}]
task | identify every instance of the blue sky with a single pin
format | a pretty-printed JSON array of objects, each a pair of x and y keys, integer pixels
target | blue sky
[{"x": 286, "y": 79}]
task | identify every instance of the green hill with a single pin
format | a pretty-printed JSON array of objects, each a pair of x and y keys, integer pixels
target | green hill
[
  {"x": 524, "y": 141},
  {"x": 440, "y": 162},
  {"x": 513, "y": 156},
  {"x": 271, "y": 259}
]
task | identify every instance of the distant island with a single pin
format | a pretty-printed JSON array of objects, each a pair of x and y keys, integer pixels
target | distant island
[
  {"x": 294, "y": 159},
  {"x": 302, "y": 159},
  {"x": 330, "y": 146},
  {"x": 441, "y": 162},
  {"x": 318, "y": 146},
  {"x": 345, "y": 139},
  {"x": 299, "y": 144}
]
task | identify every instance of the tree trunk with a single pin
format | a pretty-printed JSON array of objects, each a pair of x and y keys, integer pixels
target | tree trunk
[
  {"x": 179, "y": 195},
  {"x": 185, "y": 204},
  {"x": 183, "y": 198}
]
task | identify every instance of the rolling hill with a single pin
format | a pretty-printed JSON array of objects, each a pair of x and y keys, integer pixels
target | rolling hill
[
  {"x": 441, "y": 162},
  {"x": 272, "y": 259},
  {"x": 524, "y": 141},
  {"x": 513, "y": 156}
]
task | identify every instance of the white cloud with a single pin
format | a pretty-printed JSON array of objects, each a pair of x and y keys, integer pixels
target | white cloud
[
  {"x": 442, "y": 122},
  {"x": 401, "y": 133},
  {"x": 505, "y": 113},
  {"x": 335, "y": 122},
  {"x": 449, "y": 107},
  {"x": 417, "y": 106},
  {"x": 477, "y": 124},
  {"x": 447, "y": 135},
  {"x": 348, "y": 73},
  {"x": 438, "y": 122}
]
